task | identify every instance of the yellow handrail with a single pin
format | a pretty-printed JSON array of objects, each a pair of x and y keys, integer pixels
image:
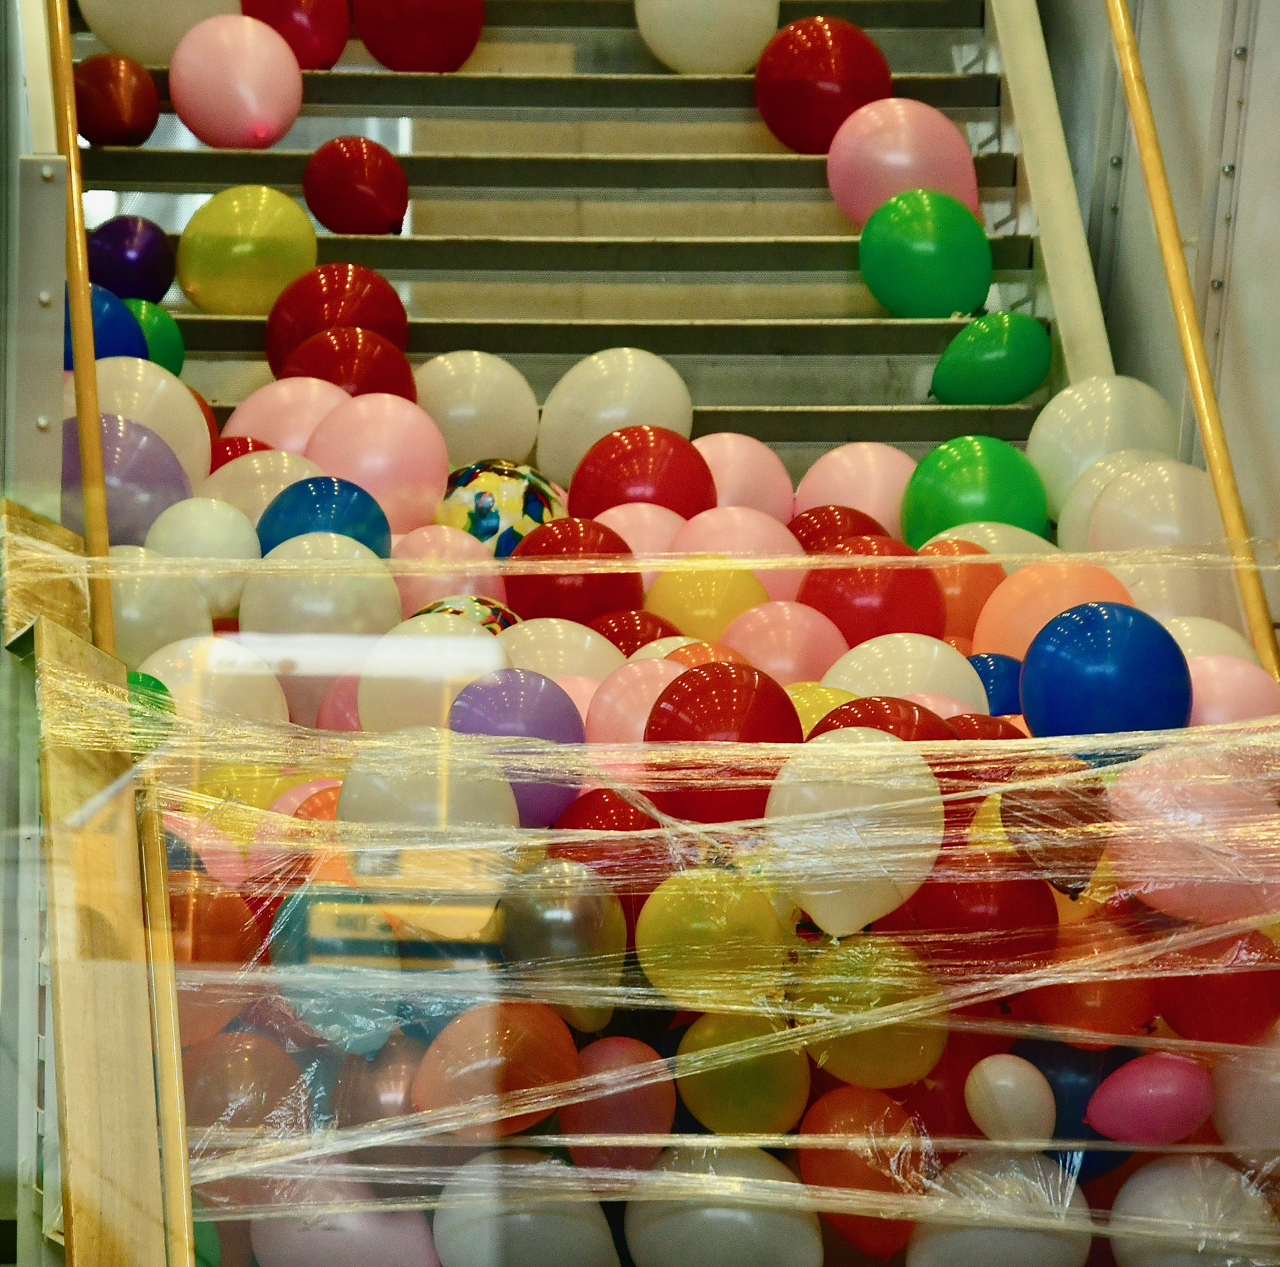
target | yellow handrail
[{"x": 1199, "y": 377}]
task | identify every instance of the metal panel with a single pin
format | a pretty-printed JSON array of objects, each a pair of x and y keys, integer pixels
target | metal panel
[
  {"x": 621, "y": 13},
  {"x": 889, "y": 424}
]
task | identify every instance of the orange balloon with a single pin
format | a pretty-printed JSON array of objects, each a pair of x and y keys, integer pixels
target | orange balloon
[
  {"x": 696, "y": 653},
  {"x": 241, "y": 1080},
  {"x": 1033, "y": 596},
  {"x": 965, "y": 586}
]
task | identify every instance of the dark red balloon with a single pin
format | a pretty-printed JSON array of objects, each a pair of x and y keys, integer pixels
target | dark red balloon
[
  {"x": 227, "y": 448},
  {"x": 210, "y": 419},
  {"x": 358, "y": 361},
  {"x": 631, "y": 630},
  {"x": 813, "y": 75},
  {"x": 420, "y": 35},
  {"x": 819, "y": 528},
  {"x": 316, "y": 30},
  {"x": 979, "y": 726},
  {"x": 642, "y": 464},
  {"x": 885, "y": 712},
  {"x": 334, "y": 295},
  {"x": 575, "y": 596},
  {"x": 867, "y": 602},
  {"x": 1209, "y": 1005},
  {"x": 116, "y": 100},
  {"x": 354, "y": 185}
]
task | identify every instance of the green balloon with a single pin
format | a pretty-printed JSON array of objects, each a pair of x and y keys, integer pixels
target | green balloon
[
  {"x": 970, "y": 479},
  {"x": 164, "y": 340},
  {"x": 998, "y": 359},
  {"x": 924, "y": 254},
  {"x": 151, "y": 712},
  {"x": 208, "y": 1245}
]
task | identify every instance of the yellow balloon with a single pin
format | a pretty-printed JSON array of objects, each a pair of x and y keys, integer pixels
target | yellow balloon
[
  {"x": 758, "y": 1095},
  {"x": 242, "y": 248},
  {"x": 709, "y": 937},
  {"x": 987, "y": 829},
  {"x": 858, "y": 975},
  {"x": 814, "y": 701},
  {"x": 257, "y": 786},
  {"x": 702, "y": 603}
]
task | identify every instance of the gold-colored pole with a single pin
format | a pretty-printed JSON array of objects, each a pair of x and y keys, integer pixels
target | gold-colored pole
[
  {"x": 97, "y": 543},
  {"x": 1208, "y": 415}
]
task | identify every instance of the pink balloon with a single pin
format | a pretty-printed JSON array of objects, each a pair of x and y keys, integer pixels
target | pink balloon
[
  {"x": 625, "y": 698},
  {"x": 647, "y": 529},
  {"x": 436, "y": 541},
  {"x": 747, "y": 473},
  {"x": 275, "y": 842},
  {"x": 221, "y": 859},
  {"x": 284, "y": 414},
  {"x": 896, "y": 144},
  {"x": 789, "y": 641},
  {"x": 581, "y": 690},
  {"x": 866, "y": 475},
  {"x": 235, "y": 83},
  {"x": 392, "y": 449},
  {"x": 294, "y": 797},
  {"x": 1156, "y": 1099},
  {"x": 742, "y": 530},
  {"x": 338, "y": 709},
  {"x": 1225, "y": 688},
  {"x": 944, "y": 705}
]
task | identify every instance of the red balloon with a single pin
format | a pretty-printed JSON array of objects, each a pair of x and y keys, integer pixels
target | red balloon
[
  {"x": 1208, "y": 1005},
  {"x": 813, "y": 75},
  {"x": 980, "y": 726},
  {"x": 867, "y": 602},
  {"x": 333, "y": 295},
  {"x": 316, "y": 30},
  {"x": 210, "y": 420},
  {"x": 642, "y": 464},
  {"x": 116, "y": 100},
  {"x": 227, "y": 448},
  {"x": 576, "y": 596},
  {"x": 937, "y": 1102},
  {"x": 631, "y": 630},
  {"x": 420, "y": 35},
  {"x": 884, "y": 712},
  {"x": 242, "y": 1079},
  {"x": 819, "y": 528},
  {"x": 358, "y": 361},
  {"x": 354, "y": 185}
]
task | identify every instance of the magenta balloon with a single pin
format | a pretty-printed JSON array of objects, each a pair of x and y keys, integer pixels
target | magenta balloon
[
  {"x": 747, "y": 473},
  {"x": 436, "y": 541},
  {"x": 1157, "y": 1099},
  {"x": 622, "y": 703},
  {"x": 866, "y": 475},
  {"x": 1225, "y": 688},
  {"x": 284, "y": 414},
  {"x": 894, "y": 145},
  {"x": 143, "y": 478},
  {"x": 741, "y": 530},
  {"x": 789, "y": 641}
]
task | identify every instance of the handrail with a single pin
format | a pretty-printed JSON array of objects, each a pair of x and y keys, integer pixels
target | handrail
[{"x": 1191, "y": 336}]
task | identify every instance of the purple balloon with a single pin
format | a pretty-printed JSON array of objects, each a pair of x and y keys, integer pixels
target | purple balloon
[
  {"x": 131, "y": 257},
  {"x": 524, "y": 705},
  {"x": 143, "y": 479}
]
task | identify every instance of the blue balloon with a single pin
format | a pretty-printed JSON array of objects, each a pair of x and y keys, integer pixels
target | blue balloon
[
  {"x": 999, "y": 674},
  {"x": 116, "y": 331},
  {"x": 325, "y": 504},
  {"x": 1104, "y": 668}
]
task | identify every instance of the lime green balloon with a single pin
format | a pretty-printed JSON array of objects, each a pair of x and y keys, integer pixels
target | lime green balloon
[
  {"x": 208, "y": 1245},
  {"x": 164, "y": 340},
  {"x": 924, "y": 254},
  {"x": 242, "y": 248},
  {"x": 151, "y": 712},
  {"x": 972, "y": 479},
  {"x": 996, "y": 360}
]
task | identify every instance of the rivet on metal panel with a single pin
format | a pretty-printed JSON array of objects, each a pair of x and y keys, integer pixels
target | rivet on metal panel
[
  {"x": 1229, "y": 169},
  {"x": 1216, "y": 284},
  {"x": 1241, "y": 50},
  {"x": 46, "y": 172},
  {"x": 1116, "y": 160},
  {"x": 44, "y": 298},
  {"x": 42, "y": 423}
]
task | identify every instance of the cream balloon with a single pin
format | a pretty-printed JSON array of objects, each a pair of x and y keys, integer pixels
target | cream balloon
[
  {"x": 152, "y": 610},
  {"x": 1094, "y": 417},
  {"x": 660, "y": 648},
  {"x": 147, "y": 393},
  {"x": 205, "y": 528},
  {"x": 908, "y": 664},
  {"x": 1198, "y": 635},
  {"x": 1073, "y": 522},
  {"x": 211, "y": 679},
  {"x": 999, "y": 539},
  {"x": 252, "y": 482},
  {"x": 707, "y": 37},
  {"x": 1246, "y": 1109},
  {"x": 560, "y": 648},
  {"x": 620, "y": 387},
  {"x": 149, "y": 30},
  {"x": 283, "y": 414},
  {"x": 482, "y": 404},
  {"x": 880, "y": 840},
  {"x": 1010, "y": 1099}
]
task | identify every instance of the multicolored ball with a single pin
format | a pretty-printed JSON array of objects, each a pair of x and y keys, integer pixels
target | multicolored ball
[
  {"x": 499, "y": 503},
  {"x": 490, "y": 613}
]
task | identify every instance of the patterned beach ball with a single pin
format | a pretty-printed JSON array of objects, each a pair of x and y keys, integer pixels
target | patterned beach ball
[
  {"x": 490, "y": 613},
  {"x": 499, "y": 503}
]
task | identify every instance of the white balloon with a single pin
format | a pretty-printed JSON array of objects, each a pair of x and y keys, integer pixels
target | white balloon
[
  {"x": 1192, "y": 1194},
  {"x": 560, "y": 648},
  {"x": 252, "y": 482},
  {"x": 848, "y": 871},
  {"x": 1010, "y": 1099},
  {"x": 205, "y": 528},
  {"x": 482, "y": 404},
  {"x": 1073, "y": 522},
  {"x": 620, "y": 387},
  {"x": 147, "y": 393},
  {"x": 716, "y": 1231},
  {"x": 998, "y": 539},
  {"x": 151, "y": 610},
  {"x": 660, "y": 648},
  {"x": 218, "y": 676},
  {"x": 1197, "y": 635},
  {"x": 1088, "y": 420},
  {"x": 908, "y": 664},
  {"x": 1246, "y": 1109},
  {"x": 707, "y": 37},
  {"x": 149, "y": 30}
]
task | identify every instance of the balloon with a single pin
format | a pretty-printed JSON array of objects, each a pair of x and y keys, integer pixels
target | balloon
[
  {"x": 621, "y": 706},
  {"x": 692, "y": 654},
  {"x": 898, "y": 717},
  {"x": 1197, "y": 635},
  {"x": 161, "y": 334},
  {"x": 661, "y": 648},
  {"x": 116, "y": 331},
  {"x": 645, "y": 527},
  {"x": 399, "y": 1238},
  {"x": 252, "y": 482},
  {"x": 813, "y": 75},
  {"x": 642, "y": 464},
  {"x": 316, "y": 30},
  {"x": 149, "y": 37},
  {"x": 631, "y": 630},
  {"x": 152, "y": 611},
  {"x": 979, "y": 726},
  {"x": 1091, "y": 419},
  {"x": 1101, "y": 668},
  {"x": 788, "y": 641},
  {"x": 579, "y": 597},
  {"x": 482, "y": 404},
  {"x": 712, "y": 37},
  {"x": 819, "y": 528},
  {"x": 702, "y": 603},
  {"x": 488, "y": 612},
  {"x": 557, "y": 648},
  {"x": 965, "y": 587},
  {"x": 1010, "y": 1099},
  {"x": 644, "y": 1110},
  {"x": 438, "y": 542},
  {"x": 1077, "y": 506},
  {"x": 813, "y": 702},
  {"x": 739, "y": 530},
  {"x": 905, "y": 664},
  {"x": 203, "y": 528},
  {"x": 866, "y": 476},
  {"x": 325, "y": 504},
  {"x": 242, "y": 1080},
  {"x": 615, "y": 389},
  {"x": 1230, "y": 992},
  {"x": 499, "y": 503},
  {"x": 372, "y": 1090},
  {"x": 1227, "y": 689},
  {"x": 998, "y": 359},
  {"x": 289, "y": 801},
  {"x": 354, "y": 185},
  {"x": 116, "y": 100},
  {"x": 997, "y": 539},
  {"x": 143, "y": 478},
  {"x": 747, "y": 473},
  {"x": 582, "y": 690},
  {"x": 340, "y": 708},
  {"x": 923, "y": 254},
  {"x": 1000, "y": 675},
  {"x": 1159, "y": 1098},
  {"x": 1247, "y": 1110},
  {"x": 329, "y": 296},
  {"x": 419, "y": 35},
  {"x": 359, "y": 361},
  {"x": 131, "y": 257},
  {"x": 144, "y": 393},
  {"x": 228, "y": 450}
]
